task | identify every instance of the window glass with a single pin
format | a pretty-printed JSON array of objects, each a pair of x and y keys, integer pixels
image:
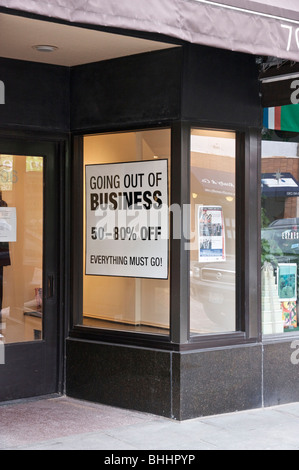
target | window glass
[
  {"x": 21, "y": 248},
  {"x": 126, "y": 259},
  {"x": 280, "y": 232},
  {"x": 212, "y": 247}
]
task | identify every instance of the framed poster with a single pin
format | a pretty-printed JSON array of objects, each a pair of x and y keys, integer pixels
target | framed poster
[
  {"x": 211, "y": 234},
  {"x": 127, "y": 219},
  {"x": 287, "y": 281}
]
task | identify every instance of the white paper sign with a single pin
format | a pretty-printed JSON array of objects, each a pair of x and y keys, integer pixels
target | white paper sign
[
  {"x": 8, "y": 224},
  {"x": 127, "y": 219}
]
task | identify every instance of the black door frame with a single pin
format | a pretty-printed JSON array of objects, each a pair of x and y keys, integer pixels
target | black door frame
[{"x": 57, "y": 144}]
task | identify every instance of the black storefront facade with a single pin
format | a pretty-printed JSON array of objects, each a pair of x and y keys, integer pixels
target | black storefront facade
[{"x": 189, "y": 343}]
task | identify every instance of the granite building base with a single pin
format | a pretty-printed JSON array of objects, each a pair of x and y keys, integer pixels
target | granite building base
[{"x": 182, "y": 385}]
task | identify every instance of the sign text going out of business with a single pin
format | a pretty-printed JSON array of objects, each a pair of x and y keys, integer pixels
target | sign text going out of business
[{"x": 127, "y": 219}]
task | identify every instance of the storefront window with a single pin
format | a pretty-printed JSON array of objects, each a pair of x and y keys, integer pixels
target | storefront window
[
  {"x": 126, "y": 238},
  {"x": 213, "y": 245},
  {"x": 280, "y": 232},
  {"x": 21, "y": 248}
]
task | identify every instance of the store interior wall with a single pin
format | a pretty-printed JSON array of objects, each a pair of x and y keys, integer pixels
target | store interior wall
[
  {"x": 23, "y": 277},
  {"x": 119, "y": 299}
]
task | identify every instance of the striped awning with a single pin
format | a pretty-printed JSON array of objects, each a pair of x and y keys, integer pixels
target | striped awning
[{"x": 268, "y": 27}]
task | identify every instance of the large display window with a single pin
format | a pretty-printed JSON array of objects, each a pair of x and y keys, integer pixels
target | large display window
[
  {"x": 159, "y": 237},
  {"x": 280, "y": 232},
  {"x": 213, "y": 232},
  {"x": 126, "y": 239}
]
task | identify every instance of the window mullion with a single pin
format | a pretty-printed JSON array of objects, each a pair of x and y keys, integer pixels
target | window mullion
[{"x": 180, "y": 194}]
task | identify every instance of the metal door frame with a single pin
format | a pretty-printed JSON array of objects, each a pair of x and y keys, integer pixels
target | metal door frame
[{"x": 39, "y": 355}]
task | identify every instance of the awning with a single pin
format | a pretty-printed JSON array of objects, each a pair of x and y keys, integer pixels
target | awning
[
  {"x": 279, "y": 185},
  {"x": 268, "y": 27}
]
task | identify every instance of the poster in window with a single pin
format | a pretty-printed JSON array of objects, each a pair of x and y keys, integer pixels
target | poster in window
[
  {"x": 127, "y": 219},
  {"x": 287, "y": 282},
  {"x": 211, "y": 234},
  {"x": 8, "y": 224},
  {"x": 289, "y": 315}
]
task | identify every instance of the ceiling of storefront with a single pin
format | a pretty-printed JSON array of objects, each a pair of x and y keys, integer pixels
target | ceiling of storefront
[{"x": 75, "y": 45}]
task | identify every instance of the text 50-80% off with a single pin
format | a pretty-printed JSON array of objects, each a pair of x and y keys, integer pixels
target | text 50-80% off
[{"x": 126, "y": 233}]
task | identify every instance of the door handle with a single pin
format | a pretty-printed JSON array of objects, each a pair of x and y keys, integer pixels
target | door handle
[{"x": 50, "y": 286}]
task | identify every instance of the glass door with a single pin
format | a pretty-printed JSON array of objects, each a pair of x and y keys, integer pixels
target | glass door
[{"x": 29, "y": 254}]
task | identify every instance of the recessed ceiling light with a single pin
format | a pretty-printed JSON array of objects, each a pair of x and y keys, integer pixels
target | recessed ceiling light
[{"x": 45, "y": 48}]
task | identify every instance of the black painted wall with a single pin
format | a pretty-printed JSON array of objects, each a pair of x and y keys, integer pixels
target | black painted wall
[
  {"x": 143, "y": 88},
  {"x": 194, "y": 82},
  {"x": 190, "y": 82},
  {"x": 37, "y": 96},
  {"x": 220, "y": 87}
]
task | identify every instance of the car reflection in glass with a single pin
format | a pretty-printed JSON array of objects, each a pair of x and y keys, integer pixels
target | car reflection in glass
[
  {"x": 212, "y": 287},
  {"x": 281, "y": 241}
]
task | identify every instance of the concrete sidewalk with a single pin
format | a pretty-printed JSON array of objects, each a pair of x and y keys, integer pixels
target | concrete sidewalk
[{"x": 67, "y": 424}]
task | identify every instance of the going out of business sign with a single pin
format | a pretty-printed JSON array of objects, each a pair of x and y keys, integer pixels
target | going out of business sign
[{"x": 127, "y": 219}]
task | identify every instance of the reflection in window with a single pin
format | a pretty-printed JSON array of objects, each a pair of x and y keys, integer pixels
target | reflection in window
[
  {"x": 21, "y": 248},
  {"x": 280, "y": 233},
  {"x": 212, "y": 248}
]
